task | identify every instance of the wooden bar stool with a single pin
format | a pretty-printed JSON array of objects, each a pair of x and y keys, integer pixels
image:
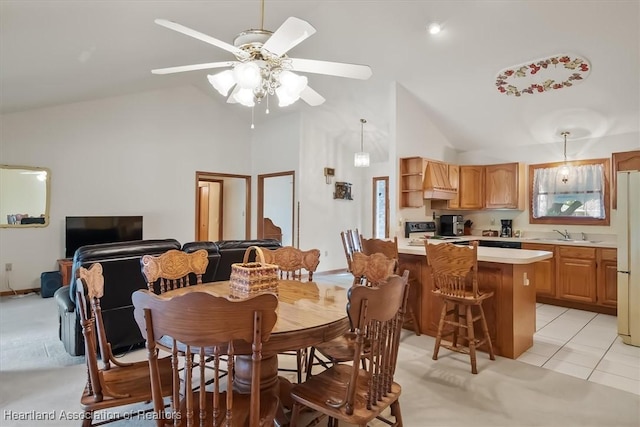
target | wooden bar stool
[{"x": 455, "y": 279}]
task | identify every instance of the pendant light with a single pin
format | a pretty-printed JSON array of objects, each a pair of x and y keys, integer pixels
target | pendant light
[
  {"x": 564, "y": 171},
  {"x": 361, "y": 159}
]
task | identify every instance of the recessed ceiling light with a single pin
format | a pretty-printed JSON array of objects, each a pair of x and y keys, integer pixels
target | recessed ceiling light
[{"x": 434, "y": 28}]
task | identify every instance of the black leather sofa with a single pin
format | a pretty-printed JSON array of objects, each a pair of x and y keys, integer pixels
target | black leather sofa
[
  {"x": 123, "y": 276},
  {"x": 232, "y": 251}
]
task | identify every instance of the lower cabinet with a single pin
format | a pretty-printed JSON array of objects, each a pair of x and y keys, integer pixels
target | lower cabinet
[
  {"x": 577, "y": 276},
  {"x": 607, "y": 289},
  {"x": 544, "y": 271}
]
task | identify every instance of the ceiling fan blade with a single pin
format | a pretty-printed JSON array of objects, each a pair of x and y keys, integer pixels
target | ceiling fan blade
[
  {"x": 202, "y": 37},
  {"x": 311, "y": 97},
  {"x": 194, "y": 67},
  {"x": 339, "y": 69},
  {"x": 291, "y": 33}
]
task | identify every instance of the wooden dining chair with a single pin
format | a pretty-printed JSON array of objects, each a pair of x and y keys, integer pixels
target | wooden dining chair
[
  {"x": 351, "y": 243},
  {"x": 174, "y": 269},
  {"x": 114, "y": 383},
  {"x": 347, "y": 392},
  {"x": 390, "y": 249},
  {"x": 341, "y": 349},
  {"x": 455, "y": 279},
  {"x": 291, "y": 263},
  {"x": 369, "y": 270},
  {"x": 200, "y": 321}
]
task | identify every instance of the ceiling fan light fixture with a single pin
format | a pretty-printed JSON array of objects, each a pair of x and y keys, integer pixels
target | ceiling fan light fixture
[
  {"x": 222, "y": 82},
  {"x": 247, "y": 75},
  {"x": 290, "y": 87},
  {"x": 244, "y": 97}
]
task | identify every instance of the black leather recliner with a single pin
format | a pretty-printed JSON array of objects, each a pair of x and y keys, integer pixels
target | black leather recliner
[
  {"x": 122, "y": 276},
  {"x": 232, "y": 251}
]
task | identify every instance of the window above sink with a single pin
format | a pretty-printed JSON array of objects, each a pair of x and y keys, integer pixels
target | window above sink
[{"x": 581, "y": 197}]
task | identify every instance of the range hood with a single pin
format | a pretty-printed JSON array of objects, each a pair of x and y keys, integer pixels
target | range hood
[{"x": 436, "y": 185}]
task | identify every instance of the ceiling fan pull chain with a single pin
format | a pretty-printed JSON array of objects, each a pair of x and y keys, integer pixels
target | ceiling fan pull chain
[
  {"x": 267, "y": 110},
  {"x": 253, "y": 108}
]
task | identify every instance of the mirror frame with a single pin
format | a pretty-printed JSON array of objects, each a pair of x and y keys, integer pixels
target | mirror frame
[{"x": 48, "y": 195}]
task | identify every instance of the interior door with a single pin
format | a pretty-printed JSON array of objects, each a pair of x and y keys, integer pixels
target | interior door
[
  {"x": 276, "y": 194},
  {"x": 223, "y": 210}
]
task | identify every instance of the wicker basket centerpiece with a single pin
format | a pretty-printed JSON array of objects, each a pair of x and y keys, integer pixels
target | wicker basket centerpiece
[{"x": 250, "y": 278}]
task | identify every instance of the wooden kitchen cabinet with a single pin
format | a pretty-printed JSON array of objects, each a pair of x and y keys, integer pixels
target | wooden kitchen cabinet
[
  {"x": 625, "y": 161},
  {"x": 471, "y": 187},
  {"x": 504, "y": 186},
  {"x": 411, "y": 176},
  {"x": 544, "y": 275},
  {"x": 607, "y": 289},
  {"x": 577, "y": 277},
  {"x": 576, "y": 274}
]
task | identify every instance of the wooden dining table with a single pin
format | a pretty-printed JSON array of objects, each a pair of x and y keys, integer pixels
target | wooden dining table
[{"x": 309, "y": 313}]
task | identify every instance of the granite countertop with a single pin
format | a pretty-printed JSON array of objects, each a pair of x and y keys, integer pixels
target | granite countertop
[
  {"x": 595, "y": 243},
  {"x": 498, "y": 255}
]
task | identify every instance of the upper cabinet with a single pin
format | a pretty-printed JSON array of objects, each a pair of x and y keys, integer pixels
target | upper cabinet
[
  {"x": 411, "y": 171},
  {"x": 479, "y": 187},
  {"x": 471, "y": 187},
  {"x": 504, "y": 186},
  {"x": 626, "y": 161}
]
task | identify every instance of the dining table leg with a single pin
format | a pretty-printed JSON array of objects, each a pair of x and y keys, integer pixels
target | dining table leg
[{"x": 269, "y": 380}]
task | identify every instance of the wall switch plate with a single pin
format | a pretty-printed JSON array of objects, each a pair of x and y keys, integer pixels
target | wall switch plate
[{"x": 8, "y": 267}]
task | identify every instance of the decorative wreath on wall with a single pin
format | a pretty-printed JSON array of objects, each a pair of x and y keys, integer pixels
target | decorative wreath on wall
[{"x": 543, "y": 75}]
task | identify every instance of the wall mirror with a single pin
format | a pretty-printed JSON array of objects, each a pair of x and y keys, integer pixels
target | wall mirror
[{"x": 24, "y": 196}]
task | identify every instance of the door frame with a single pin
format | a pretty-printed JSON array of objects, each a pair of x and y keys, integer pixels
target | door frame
[
  {"x": 213, "y": 176},
  {"x": 260, "y": 207},
  {"x": 374, "y": 181}
]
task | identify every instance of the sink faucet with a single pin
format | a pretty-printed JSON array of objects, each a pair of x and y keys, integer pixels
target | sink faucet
[{"x": 566, "y": 234}]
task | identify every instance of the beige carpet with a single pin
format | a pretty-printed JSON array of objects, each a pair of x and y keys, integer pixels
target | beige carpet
[{"x": 38, "y": 377}]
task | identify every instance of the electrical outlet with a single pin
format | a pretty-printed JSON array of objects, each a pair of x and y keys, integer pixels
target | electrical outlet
[
  {"x": 8, "y": 266},
  {"x": 326, "y": 253}
]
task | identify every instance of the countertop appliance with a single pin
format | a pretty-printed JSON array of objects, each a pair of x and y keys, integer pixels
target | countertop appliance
[
  {"x": 451, "y": 225},
  {"x": 507, "y": 228},
  {"x": 628, "y": 231}
]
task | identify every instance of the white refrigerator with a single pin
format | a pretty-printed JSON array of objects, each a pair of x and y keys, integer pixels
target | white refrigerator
[{"x": 628, "y": 231}]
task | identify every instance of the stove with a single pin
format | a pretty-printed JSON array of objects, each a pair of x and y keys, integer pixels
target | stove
[{"x": 422, "y": 228}]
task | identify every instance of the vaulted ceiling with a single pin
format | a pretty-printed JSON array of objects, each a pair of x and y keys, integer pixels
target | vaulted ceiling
[{"x": 54, "y": 52}]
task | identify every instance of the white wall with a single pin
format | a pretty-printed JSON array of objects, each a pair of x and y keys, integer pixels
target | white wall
[{"x": 129, "y": 155}]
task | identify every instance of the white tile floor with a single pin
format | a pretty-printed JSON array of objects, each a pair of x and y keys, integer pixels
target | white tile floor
[
  {"x": 573, "y": 342},
  {"x": 585, "y": 345}
]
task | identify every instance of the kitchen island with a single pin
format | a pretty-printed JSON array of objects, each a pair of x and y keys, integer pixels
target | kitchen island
[{"x": 511, "y": 313}]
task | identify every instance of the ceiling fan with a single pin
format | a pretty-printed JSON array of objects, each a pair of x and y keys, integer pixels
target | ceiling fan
[{"x": 262, "y": 67}]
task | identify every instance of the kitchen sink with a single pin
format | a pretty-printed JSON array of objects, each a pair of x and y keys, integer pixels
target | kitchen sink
[{"x": 562, "y": 240}]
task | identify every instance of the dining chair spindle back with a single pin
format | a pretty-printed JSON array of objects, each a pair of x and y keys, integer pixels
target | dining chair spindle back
[
  {"x": 215, "y": 325},
  {"x": 347, "y": 392},
  {"x": 114, "y": 383}
]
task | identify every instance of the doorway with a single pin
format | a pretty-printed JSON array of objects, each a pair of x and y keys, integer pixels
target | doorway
[
  {"x": 223, "y": 209},
  {"x": 276, "y": 194},
  {"x": 380, "y": 207}
]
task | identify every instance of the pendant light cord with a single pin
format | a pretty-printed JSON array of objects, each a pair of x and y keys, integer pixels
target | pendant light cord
[
  {"x": 262, "y": 19},
  {"x": 362, "y": 122}
]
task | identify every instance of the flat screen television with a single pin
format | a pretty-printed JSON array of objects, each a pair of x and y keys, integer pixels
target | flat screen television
[{"x": 92, "y": 230}]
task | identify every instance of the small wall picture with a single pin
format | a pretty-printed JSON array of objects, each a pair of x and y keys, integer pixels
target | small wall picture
[{"x": 343, "y": 191}]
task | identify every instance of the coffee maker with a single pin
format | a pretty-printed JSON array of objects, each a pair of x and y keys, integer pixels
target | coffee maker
[{"x": 507, "y": 229}]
